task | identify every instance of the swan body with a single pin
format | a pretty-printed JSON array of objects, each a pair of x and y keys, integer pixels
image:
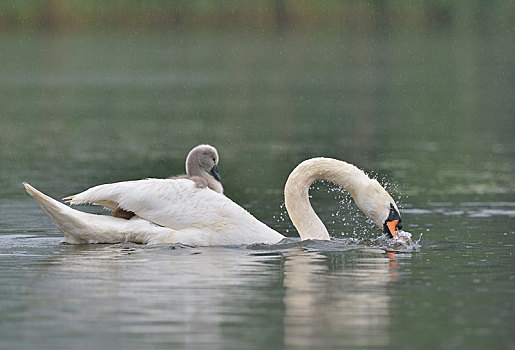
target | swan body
[
  {"x": 177, "y": 211},
  {"x": 167, "y": 211}
]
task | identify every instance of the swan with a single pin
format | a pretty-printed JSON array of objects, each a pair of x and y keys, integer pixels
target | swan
[
  {"x": 201, "y": 168},
  {"x": 177, "y": 211}
]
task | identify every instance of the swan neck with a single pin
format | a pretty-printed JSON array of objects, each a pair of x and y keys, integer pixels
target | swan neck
[
  {"x": 304, "y": 218},
  {"x": 296, "y": 199}
]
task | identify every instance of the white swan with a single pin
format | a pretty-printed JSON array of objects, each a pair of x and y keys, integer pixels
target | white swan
[{"x": 176, "y": 211}]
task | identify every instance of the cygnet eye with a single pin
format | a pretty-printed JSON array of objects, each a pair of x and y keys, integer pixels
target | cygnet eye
[{"x": 214, "y": 160}]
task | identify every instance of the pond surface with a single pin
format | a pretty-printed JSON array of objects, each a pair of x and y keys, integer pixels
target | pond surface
[{"x": 431, "y": 117}]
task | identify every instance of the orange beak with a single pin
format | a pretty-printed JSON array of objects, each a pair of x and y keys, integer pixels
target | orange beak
[{"x": 392, "y": 226}]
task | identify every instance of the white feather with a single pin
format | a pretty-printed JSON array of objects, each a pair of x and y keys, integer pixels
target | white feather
[{"x": 167, "y": 211}]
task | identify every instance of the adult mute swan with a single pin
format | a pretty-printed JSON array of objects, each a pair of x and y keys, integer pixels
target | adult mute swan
[
  {"x": 177, "y": 211},
  {"x": 201, "y": 168}
]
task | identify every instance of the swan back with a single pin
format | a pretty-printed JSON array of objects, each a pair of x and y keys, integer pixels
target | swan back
[
  {"x": 180, "y": 205},
  {"x": 234, "y": 225},
  {"x": 373, "y": 200}
]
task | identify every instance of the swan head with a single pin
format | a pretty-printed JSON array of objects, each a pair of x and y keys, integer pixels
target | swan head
[
  {"x": 376, "y": 203},
  {"x": 203, "y": 158},
  {"x": 393, "y": 222}
]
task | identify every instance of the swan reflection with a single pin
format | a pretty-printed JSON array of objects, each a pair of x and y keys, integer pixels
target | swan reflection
[
  {"x": 198, "y": 297},
  {"x": 329, "y": 299}
]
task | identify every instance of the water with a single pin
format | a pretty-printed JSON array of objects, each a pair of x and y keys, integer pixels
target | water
[{"x": 431, "y": 117}]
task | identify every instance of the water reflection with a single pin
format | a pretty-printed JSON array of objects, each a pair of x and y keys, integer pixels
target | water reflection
[
  {"x": 134, "y": 296},
  {"x": 196, "y": 297},
  {"x": 347, "y": 306}
]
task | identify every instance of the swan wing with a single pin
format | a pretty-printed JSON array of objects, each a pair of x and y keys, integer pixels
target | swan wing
[
  {"x": 80, "y": 227},
  {"x": 173, "y": 203}
]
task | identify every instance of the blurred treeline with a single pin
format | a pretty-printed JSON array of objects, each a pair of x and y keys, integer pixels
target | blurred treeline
[{"x": 263, "y": 15}]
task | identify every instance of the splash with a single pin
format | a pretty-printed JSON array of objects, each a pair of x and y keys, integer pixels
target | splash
[
  {"x": 403, "y": 244},
  {"x": 342, "y": 217}
]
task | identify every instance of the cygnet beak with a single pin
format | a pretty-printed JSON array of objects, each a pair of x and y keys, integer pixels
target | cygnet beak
[{"x": 214, "y": 171}]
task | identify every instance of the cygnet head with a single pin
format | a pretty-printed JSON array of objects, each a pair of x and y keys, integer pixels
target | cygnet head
[{"x": 203, "y": 159}]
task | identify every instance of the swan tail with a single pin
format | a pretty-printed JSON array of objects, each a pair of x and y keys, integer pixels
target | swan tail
[{"x": 78, "y": 227}]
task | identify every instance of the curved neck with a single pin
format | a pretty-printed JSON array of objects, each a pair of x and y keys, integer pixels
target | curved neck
[{"x": 296, "y": 192}]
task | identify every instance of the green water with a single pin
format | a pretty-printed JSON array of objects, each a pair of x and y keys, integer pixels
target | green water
[{"x": 431, "y": 116}]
